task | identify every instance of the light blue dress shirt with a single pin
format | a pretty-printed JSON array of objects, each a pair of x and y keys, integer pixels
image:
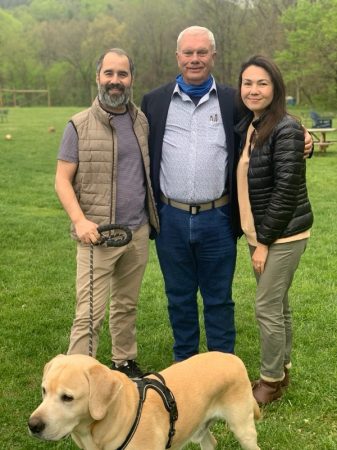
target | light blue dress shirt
[{"x": 194, "y": 157}]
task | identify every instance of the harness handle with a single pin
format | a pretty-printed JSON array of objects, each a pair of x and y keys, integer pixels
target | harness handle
[
  {"x": 143, "y": 384},
  {"x": 121, "y": 235}
]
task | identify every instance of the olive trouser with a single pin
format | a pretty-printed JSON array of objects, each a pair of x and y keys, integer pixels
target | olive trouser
[
  {"x": 117, "y": 275},
  {"x": 272, "y": 307}
]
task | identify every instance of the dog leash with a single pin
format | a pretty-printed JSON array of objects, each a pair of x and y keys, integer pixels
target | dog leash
[
  {"x": 121, "y": 235},
  {"x": 143, "y": 384}
]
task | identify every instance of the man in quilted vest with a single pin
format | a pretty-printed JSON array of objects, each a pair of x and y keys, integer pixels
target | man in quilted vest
[{"x": 102, "y": 177}]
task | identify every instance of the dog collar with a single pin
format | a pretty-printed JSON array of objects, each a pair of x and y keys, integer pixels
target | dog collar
[{"x": 143, "y": 384}]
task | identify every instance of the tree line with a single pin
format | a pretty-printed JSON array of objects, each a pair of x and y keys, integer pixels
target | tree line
[{"x": 54, "y": 44}]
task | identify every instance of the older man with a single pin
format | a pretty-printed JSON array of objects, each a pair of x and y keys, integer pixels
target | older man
[{"x": 193, "y": 161}]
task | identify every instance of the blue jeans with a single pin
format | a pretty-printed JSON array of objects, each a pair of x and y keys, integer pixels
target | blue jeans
[{"x": 198, "y": 252}]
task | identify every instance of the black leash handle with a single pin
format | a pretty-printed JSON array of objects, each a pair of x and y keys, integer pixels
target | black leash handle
[{"x": 121, "y": 235}]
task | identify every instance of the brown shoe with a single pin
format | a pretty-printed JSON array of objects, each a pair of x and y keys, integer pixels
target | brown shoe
[{"x": 266, "y": 391}]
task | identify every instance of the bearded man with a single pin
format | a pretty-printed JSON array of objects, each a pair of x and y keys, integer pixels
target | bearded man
[{"x": 102, "y": 177}]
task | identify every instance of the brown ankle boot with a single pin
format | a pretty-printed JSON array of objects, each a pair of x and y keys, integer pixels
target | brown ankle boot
[{"x": 266, "y": 391}]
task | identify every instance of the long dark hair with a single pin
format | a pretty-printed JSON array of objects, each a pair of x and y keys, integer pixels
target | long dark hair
[{"x": 277, "y": 108}]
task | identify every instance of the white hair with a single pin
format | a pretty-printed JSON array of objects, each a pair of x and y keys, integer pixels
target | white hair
[{"x": 197, "y": 30}]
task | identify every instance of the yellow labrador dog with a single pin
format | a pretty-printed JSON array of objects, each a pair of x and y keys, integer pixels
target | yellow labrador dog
[{"x": 98, "y": 406}]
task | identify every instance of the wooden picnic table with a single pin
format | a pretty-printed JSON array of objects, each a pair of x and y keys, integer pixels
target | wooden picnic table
[{"x": 320, "y": 137}]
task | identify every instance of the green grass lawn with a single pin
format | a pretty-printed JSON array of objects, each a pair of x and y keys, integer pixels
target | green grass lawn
[{"x": 37, "y": 283}]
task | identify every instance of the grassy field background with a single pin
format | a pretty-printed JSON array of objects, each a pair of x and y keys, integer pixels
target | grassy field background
[{"x": 37, "y": 294}]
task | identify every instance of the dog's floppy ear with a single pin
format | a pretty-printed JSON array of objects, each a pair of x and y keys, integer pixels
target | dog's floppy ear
[{"x": 103, "y": 388}]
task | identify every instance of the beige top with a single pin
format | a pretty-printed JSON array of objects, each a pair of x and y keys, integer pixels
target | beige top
[{"x": 246, "y": 216}]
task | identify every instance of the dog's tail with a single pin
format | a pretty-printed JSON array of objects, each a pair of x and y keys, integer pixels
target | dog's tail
[{"x": 257, "y": 412}]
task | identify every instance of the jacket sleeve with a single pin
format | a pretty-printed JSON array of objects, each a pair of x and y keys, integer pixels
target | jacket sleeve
[{"x": 287, "y": 171}]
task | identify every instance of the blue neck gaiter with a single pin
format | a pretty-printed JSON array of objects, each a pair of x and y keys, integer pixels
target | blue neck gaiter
[{"x": 195, "y": 90}]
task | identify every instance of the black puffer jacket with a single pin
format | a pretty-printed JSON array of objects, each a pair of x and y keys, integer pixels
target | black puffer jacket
[{"x": 277, "y": 185}]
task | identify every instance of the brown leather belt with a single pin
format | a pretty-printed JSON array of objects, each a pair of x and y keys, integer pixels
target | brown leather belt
[{"x": 196, "y": 208}]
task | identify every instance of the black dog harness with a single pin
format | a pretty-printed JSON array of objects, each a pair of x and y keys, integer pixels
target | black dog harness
[{"x": 143, "y": 384}]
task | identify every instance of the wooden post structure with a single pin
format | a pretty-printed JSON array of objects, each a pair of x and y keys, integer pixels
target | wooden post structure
[
  {"x": 24, "y": 91},
  {"x": 48, "y": 94}
]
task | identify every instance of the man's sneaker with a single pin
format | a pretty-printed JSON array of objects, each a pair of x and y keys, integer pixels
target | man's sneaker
[{"x": 130, "y": 368}]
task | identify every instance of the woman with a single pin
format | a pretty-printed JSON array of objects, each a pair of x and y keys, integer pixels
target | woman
[{"x": 275, "y": 212}]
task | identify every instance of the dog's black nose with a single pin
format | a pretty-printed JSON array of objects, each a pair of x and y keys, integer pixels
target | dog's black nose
[{"x": 36, "y": 425}]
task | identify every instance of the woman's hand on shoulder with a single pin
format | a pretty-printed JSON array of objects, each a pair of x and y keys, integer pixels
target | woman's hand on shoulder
[{"x": 308, "y": 144}]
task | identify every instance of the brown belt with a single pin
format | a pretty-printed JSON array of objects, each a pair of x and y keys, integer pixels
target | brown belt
[{"x": 194, "y": 208}]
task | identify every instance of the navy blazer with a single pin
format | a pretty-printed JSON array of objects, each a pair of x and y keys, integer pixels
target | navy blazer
[{"x": 155, "y": 106}]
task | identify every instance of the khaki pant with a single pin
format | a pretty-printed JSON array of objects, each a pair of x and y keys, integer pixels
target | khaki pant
[
  {"x": 272, "y": 307},
  {"x": 118, "y": 273}
]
